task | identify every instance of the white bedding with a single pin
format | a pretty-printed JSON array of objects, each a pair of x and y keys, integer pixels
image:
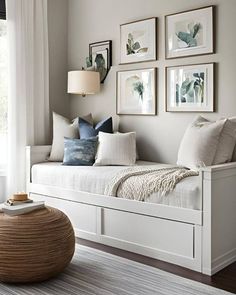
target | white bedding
[{"x": 187, "y": 193}]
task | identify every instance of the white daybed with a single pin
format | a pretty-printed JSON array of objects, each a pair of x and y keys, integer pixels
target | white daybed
[{"x": 194, "y": 226}]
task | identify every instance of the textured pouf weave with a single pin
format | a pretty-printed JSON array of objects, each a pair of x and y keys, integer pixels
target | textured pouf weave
[{"x": 35, "y": 246}]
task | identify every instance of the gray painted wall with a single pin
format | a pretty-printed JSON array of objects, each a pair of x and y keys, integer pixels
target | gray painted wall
[
  {"x": 57, "y": 38},
  {"x": 158, "y": 136}
]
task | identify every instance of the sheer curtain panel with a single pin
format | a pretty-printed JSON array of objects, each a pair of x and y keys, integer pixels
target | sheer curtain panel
[{"x": 28, "y": 122}]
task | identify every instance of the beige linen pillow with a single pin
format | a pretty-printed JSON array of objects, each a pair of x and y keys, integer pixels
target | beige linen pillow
[
  {"x": 199, "y": 144},
  {"x": 227, "y": 142},
  {"x": 116, "y": 149},
  {"x": 233, "y": 159},
  {"x": 63, "y": 127},
  {"x": 137, "y": 153}
]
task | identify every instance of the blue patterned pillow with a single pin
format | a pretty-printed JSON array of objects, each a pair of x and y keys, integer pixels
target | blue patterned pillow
[
  {"x": 87, "y": 130},
  {"x": 79, "y": 152}
]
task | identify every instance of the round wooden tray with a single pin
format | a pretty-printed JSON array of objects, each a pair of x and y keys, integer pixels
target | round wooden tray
[{"x": 35, "y": 246}]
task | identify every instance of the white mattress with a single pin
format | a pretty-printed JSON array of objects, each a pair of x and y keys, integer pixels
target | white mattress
[{"x": 187, "y": 193}]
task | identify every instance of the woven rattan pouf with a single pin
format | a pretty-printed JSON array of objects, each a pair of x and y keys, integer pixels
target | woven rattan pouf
[{"x": 35, "y": 246}]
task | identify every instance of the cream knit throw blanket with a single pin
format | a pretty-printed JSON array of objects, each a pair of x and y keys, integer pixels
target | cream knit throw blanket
[{"x": 138, "y": 183}]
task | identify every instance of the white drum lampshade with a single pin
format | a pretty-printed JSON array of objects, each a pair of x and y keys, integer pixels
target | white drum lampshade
[{"x": 83, "y": 82}]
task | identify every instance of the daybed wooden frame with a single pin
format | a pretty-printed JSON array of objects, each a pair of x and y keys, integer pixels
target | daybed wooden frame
[{"x": 202, "y": 240}]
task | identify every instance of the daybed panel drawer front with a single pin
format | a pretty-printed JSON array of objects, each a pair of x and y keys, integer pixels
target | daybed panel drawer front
[
  {"x": 83, "y": 217},
  {"x": 161, "y": 234}
]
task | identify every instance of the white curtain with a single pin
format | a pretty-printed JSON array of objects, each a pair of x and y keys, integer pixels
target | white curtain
[{"x": 28, "y": 122}]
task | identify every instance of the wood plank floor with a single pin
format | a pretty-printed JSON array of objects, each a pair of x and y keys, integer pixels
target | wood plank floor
[{"x": 225, "y": 279}]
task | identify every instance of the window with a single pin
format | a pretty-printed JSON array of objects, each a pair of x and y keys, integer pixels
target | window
[
  {"x": 2, "y": 9},
  {"x": 3, "y": 92}
]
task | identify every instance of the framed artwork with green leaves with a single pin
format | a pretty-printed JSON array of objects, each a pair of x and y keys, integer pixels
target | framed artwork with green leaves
[
  {"x": 136, "y": 92},
  {"x": 189, "y": 33},
  {"x": 190, "y": 88},
  {"x": 100, "y": 58},
  {"x": 138, "y": 41}
]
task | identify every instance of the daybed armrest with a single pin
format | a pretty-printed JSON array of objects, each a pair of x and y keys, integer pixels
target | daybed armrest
[
  {"x": 220, "y": 167},
  {"x": 219, "y": 171},
  {"x": 35, "y": 154}
]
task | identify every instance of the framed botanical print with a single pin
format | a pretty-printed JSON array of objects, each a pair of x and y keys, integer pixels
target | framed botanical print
[
  {"x": 136, "y": 92},
  {"x": 100, "y": 55},
  {"x": 189, "y": 33},
  {"x": 138, "y": 41},
  {"x": 190, "y": 88}
]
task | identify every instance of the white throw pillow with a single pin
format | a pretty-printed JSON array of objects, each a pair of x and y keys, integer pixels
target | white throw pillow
[
  {"x": 199, "y": 144},
  {"x": 63, "y": 127},
  {"x": 116, "y": 149}
]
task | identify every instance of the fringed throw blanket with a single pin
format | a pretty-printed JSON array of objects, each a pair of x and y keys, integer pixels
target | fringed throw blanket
[{"x": 138, "y": 183}]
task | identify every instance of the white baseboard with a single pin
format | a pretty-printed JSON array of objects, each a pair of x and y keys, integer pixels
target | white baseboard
[{"x": 221, "y": 262}]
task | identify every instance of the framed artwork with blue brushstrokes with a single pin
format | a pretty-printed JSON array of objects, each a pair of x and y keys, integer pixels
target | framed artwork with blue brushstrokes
[
  {"x": 138, "y": 41},
  {"x": 189, "y": 33},
  {"x": 100, "y": 58},
  {"x": 136, "y": 92},
  {"x": 190, "y": 88}
]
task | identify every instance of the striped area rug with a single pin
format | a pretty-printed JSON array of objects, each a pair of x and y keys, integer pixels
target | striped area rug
[{"x": 95, "y": 272}]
